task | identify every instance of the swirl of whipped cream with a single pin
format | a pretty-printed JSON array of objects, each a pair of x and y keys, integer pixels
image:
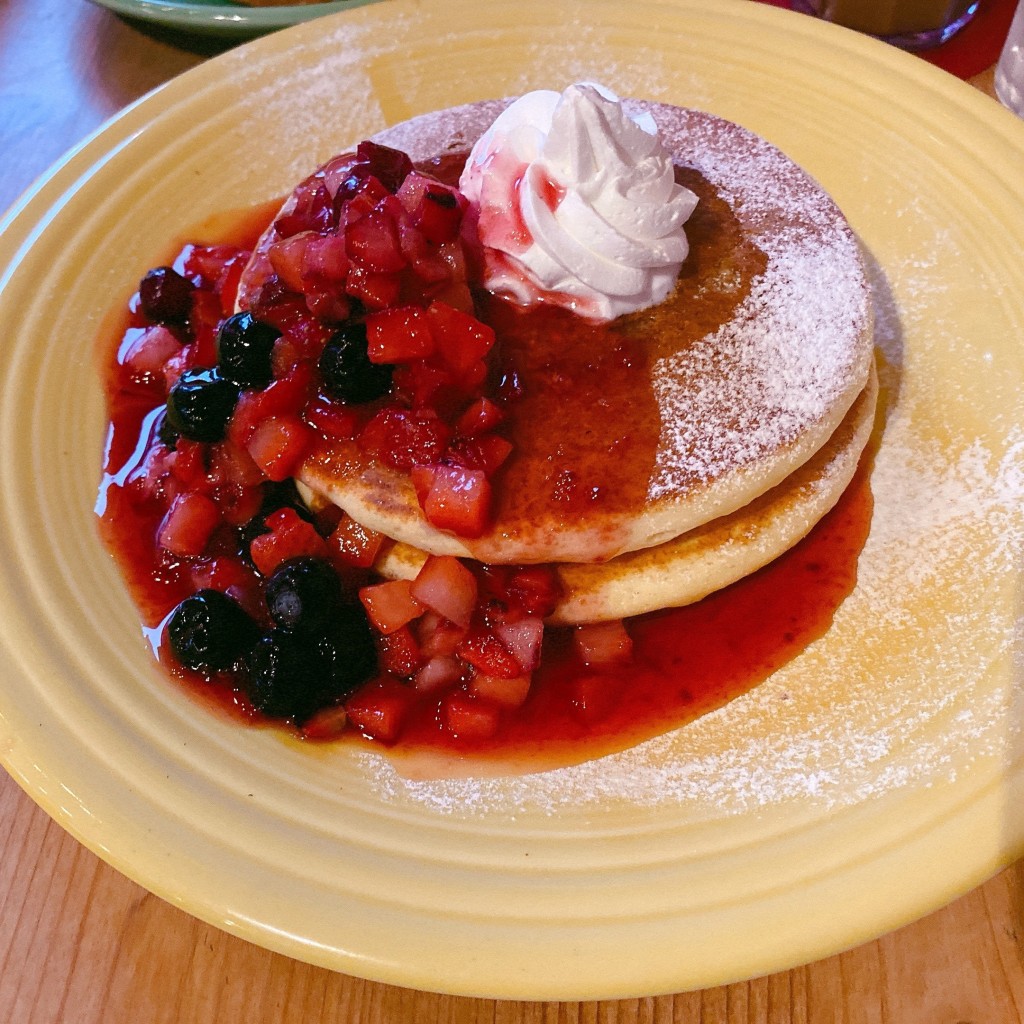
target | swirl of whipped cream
[{"x": 578, "y": 204}]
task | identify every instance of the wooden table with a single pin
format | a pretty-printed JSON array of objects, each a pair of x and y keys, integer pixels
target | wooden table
[{"x": 80, "y": 943}]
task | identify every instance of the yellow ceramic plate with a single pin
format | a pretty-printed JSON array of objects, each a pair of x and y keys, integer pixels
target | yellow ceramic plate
[{"x": 871, "y": 780}]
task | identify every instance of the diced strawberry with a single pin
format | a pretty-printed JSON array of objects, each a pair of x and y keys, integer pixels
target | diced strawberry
[
  {"x": 290, "y": 536},
  {"x": 286, "y": 396},
  {"x": 468, "y": 717},
  {"x": 372, "y": 288},
  {"x": 312, "y": 209},
  {"x": 399, "y": 653},
  {"x": 481, "y": 417},
  {"x": 509, "y": 693},
  {"x": 379, "y": 709},
  {"x": 188, "y": 525},
  {"x": 328, "y": 302},
  {"x": 325, "y": 258},
  {"x": 439, "y": 672},
  {"x": 487, "y": 653},
  {"x": 373, "y": 241},
  {"x": 534, "y": 588},
  {"x": 326, "y": 724},
  {"x": 232, "y": 464},
  {"x": 227, "y": 289},
  {"x": 454, "y": 498},
  {"x": 390, "y": 605},
  {"x": 604, "y": 643},
  {"x": 333, "y": 419},
  {"x": 447, "y": 587},
  {"x": 487, "y": 452},
  {"x": 435, "y": 208},
  {"x": 144, "y": 350},
  {"x": 398, "y": 335},
  {"x": 188, "y": 464},
  {"x": 354, "y": 543},
  {"x": 279, "y": 444},
  {"x": 402, "y": 438},
  {"x": 462, "y": 340}
]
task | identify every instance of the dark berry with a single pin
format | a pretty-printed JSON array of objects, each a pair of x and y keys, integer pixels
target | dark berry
[
  {"x": 292, "y": 675},
  {"x": 165, "y": 433},
  {"x": 244, "y": 349},
  {"x": 166, "y": 296},
  {"x": 304, "y": 594},
  {"x": 200, "y": 404},
  {"x": 389, "y": 166},
  {"x": 209, "y": 630},
  {"x": 347, "y": 372}
]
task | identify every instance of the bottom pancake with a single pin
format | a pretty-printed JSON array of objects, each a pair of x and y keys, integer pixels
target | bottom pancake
[{"x": 690, "y": 567}]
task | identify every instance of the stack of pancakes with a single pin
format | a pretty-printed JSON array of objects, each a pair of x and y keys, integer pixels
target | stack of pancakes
[{"x": 678, "y": 449}]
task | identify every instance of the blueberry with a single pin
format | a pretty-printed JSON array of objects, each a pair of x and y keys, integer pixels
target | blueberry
[
  {"x": 244, "y": 349},
  {"x": 165, "y": 433},
  {"x": 304, "y": 594},
  {"x": 292, "y": 675},
  {"x": 209, "y": 630},
  {"x": 166, "y": 296},
  {"x": 345, "y": 367},
  {"x": 200, "y": 404}
]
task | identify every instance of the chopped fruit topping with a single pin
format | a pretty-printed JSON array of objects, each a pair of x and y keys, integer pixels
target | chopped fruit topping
[
  {"x": 454, "y": 498},
  {"x": 208, "y": 630},
  {"x": 147, "y": 349},
  {"x": 189, "y": 524},
  {"x": 470, "y": 718},
  {"x": 399, "y": 653},
  {"x": 166, "y": 296},
  {"x": 447, "y": 587},
  {"x": 403, "y": 438},
  {"x": 390, "y": 605},
  {"x": 399, "y": 335},
  {"x": 278, "y": 445},
  {"x": 354, "y": 543},
  {"x": 509, "y": 693},
  {"x": 604, "y": 643},
  {"x": 487, "y": 653},
  {"x": 379, "y": 709},
  {"x": 289, "y": 536}
]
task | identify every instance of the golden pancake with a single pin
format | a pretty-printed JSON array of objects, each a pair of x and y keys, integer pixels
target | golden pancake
[
  {"x": 689, "y": 567},
  {"x": 630, "y": 434}
]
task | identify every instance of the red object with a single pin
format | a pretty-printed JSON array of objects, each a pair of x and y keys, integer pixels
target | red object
[{"x": 974, "y": 48}]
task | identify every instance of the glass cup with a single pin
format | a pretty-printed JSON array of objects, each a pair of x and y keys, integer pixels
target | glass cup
[
  {"x": 910, "y": 24},
  {"x": 1010, "y": 69}
]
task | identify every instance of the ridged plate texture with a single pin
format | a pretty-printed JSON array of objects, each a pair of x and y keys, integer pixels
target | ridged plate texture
[{"x": 872, "y": 779}]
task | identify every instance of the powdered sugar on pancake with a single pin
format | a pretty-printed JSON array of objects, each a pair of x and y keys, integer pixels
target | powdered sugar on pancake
[{"x": 749, "y": 376}]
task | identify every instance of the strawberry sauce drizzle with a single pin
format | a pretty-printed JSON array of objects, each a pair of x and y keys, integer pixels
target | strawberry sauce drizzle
[{"x": 685, "y": 661}]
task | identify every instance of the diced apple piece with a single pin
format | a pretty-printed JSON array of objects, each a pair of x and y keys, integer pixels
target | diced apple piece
[
  {"x": 447, "y": 587},
  {"x": 523, "y": 639},
  {"x": 326, "y": 724},
  {"x": 438, "y": 672},
  {"x": 144, "y": 350},
  {"x": 604, "y": 643},
  {"x": 509, "y": 693}
]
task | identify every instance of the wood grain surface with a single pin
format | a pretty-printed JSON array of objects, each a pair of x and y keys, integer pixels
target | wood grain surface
[{"x": 80, "y": 944}]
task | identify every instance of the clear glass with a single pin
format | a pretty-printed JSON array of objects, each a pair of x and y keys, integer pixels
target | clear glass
[
  {"x": 1010, "y": 69},
  {"x": 910, "y": 24}
]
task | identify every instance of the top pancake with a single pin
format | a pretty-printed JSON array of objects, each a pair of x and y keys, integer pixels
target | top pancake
[{"x": 630, "y": 434}]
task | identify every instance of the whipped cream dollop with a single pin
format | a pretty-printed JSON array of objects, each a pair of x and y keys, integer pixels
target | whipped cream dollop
[{"x": 578, "y": 204}]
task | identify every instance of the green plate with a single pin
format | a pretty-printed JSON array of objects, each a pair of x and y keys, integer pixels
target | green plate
[{"x": 223, "y": 19}]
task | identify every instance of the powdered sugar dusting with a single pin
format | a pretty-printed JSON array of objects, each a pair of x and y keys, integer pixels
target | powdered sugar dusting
[{"x": 791, "y": 359}]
